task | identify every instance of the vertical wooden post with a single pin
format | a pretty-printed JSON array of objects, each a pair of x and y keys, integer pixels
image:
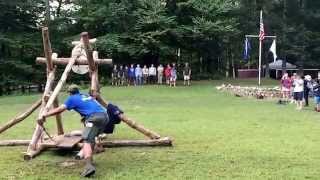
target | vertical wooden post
[
  {"x": 92, "y": 65},
  {"x": 33, "y": 149},
  {"x": 58, "y": 118},
  {"x": 47, "y": 48}
]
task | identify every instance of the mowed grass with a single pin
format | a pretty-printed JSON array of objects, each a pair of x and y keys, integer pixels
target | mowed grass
[{"x": 216, "y": 136}]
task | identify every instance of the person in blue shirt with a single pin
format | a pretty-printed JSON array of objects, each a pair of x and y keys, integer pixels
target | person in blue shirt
[
  {"x": 95, "y": 120},
  {"x": 132, "y": 75},
  {"x": 138, "y": 73}
]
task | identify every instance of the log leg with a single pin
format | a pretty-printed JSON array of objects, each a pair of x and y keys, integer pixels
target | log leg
[
  {"x": 58, "y": 118},
  {"x": 21, "y": 117},
  {"x": 32, "y": 153},
  {"x": 139, "y": 127}
]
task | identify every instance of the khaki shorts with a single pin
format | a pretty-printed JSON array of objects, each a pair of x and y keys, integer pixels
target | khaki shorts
[{"x": 94, "y": 125}]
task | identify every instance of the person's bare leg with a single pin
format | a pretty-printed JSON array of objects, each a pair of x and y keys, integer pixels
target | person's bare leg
[{"x": 87, "y": 152}]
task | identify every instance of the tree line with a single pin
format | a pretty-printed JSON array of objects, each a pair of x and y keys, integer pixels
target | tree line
[{"x": 209, "y": 34}]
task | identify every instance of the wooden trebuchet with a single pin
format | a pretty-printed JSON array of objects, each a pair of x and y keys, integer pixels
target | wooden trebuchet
[
  {"x": 20, "y": 117},
  {"x": 139, "y": 127},
  {"x": 65, "y": 61}
]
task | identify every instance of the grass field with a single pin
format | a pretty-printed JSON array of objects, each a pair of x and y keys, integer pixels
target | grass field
[{"x": 216, "y": 136}]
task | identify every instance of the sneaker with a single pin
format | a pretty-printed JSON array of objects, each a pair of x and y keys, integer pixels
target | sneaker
[
  {"x": 78, "y": 157},
  {"x": 88, "y": 171}
]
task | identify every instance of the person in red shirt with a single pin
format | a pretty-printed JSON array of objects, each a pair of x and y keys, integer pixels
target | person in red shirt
[
  {"x": 167, "y": 73},
  {"x": 286, "y": 85}
]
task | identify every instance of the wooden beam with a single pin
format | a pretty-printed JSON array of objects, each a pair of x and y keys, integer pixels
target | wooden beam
[
  {"x": 58, "y": 118},
  {"x": 21, "y": 117},
  {"x": 14, "y": 142},
  {"x": 91, "y": 41},
  {"x": 94, "y": 84},
  {"x": 47, "y": 48},
  {"x": 139, "y": 127},
  {"x": 87, "y": 48},
  {"x": 60, "y": 83},
  {"x": 65, "y": 61},
  {"x": 133, "y": 124},
  {"x": 166, "y": 141}
]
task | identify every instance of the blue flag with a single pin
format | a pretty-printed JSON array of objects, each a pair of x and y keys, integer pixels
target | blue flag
[{"x": 247, "y": 50}]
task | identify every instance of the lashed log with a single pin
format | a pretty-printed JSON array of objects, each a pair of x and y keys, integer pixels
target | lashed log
[
  {"x": 65, "y": 61},
  {"x": 47, "y": 48},
  {"x": 21, "y": 117},
  {"x": 133, "y": 124},
  {"x": 14, "y": 142},
  {"x": 32, "y": 153},
  {"x": 130, "y": 122},
  {"x": 60, "y": 83},
  {"x": 58, "y": 118},
  {"x": 91, "y": 41},
  {"x": 166, "y": 141},
  {"x": 87, "y": 48}
]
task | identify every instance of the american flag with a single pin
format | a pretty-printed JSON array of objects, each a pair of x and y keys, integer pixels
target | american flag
[{"x": 261, "y": 34}]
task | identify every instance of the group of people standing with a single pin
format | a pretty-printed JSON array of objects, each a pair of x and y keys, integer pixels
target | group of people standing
[
  {"x": 135, "y": 75},
  {"x": 296, "y": 89}
]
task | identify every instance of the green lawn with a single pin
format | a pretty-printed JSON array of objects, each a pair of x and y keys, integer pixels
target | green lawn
[{"x": 216, "y": 136}]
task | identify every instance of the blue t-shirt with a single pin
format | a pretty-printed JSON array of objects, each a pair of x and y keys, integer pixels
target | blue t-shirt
[{"x": 84, "y": 104}]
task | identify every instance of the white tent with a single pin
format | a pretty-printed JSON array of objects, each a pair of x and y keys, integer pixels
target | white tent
[{"x": 277, "y": 65}]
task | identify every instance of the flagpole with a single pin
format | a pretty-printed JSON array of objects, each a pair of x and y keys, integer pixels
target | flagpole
[{"x": 260, "y": 52}]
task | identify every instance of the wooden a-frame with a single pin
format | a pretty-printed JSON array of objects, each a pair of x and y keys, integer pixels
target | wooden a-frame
[{"x": 50, "y": 99}]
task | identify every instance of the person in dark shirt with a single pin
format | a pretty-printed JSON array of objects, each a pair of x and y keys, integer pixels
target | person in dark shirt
[
  {"x": 307, "y": 88},
  {"x": 114, "y": 76},
  {"x": 132, "y": 75},
  {"x": 186, "y": 74},
  {"x": 316, "y": 94}
]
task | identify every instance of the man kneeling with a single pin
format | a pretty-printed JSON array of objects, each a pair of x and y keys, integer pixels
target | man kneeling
[{"x": 95, "y": 119}]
